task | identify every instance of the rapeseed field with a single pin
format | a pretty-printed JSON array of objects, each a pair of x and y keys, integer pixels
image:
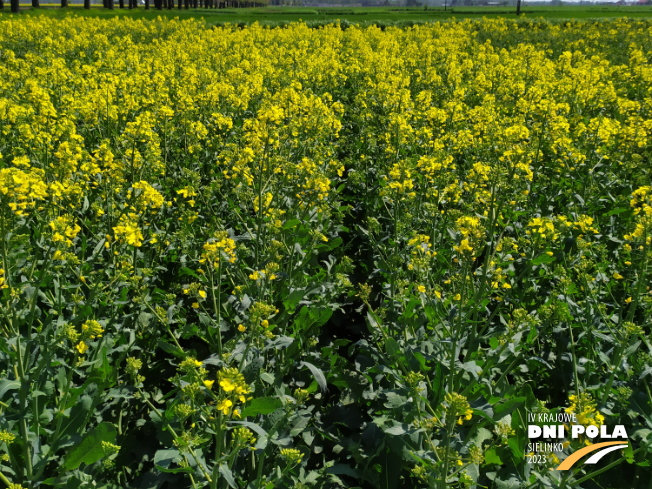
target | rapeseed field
[{"x": 323, "y": 257}]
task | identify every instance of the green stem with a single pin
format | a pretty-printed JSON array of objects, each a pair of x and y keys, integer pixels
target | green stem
[
  {"x": 164, "y": 321},
  {"x": 62, "y": 405},
  {"x": 174, "y": 434},
  {"x": 24, "y": 387},
  {"x": 395, "y": 271},
  {"x": 639, "y": 285},
  {"x": 218, "y": 450},
  {"x": 456, "y": 331},
  {"x": 574, "y": 355},
  {"x": 37, "y": 287},
  {"x": 259, "y": 475},
  {"x": 444, "y": 478},
  {"x": 217, "y": 306},
  {"x": 4, "y": 247},
  {"x": 606, "y": 467},
  {"x": 259, "y": 224},
  {"x": 5, "y": 480},
  {"x": 612, "y": 376},
  {"x": 489, "y": 256}
]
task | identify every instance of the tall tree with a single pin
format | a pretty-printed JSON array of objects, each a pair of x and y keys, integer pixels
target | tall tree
[
  {"x": 15, "y": 6},
  {"x": 518, "y": 7}
]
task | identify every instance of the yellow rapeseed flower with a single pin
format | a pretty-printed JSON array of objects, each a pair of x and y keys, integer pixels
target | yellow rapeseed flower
[{"x": 81, "y": 347}]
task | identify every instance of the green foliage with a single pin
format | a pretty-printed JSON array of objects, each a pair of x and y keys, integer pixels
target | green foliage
[{"x": 321, "y": 257}]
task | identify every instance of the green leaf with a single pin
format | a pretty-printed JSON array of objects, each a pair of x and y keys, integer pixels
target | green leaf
[
  {"x": 511, "y": 483},
  {"x": 77, "y": 418},
  {"x": 228, "y": 475},
  {"x": 279, "y": 343},
  {"x": 293, "y": 300},
  {"x": 517, "y": 446},
  {"x": 530, "y": 399},
  {"x": 342, "y": 469},
  {"x": 619, "y": 210},
  {"x": 267, "y": 377},
  {"x": 491, "y": 457},
  {"x": 632, "y": 348},
  {"x": 168, "y": 348},
  {"x": 504, "y": 408},
  {"x": 89, "y": 449},
  {"x": 398, "y": 429},
  {"x": 422, "y": 361},
  {"x": 262, "y": 405},
  {"x": 311, "y": 317},
  {"x": 6, "y": 385},
  {"x": 543, "y": 258},
  {"x": 187, "y": 271},
  {"x": 299, "y": 424},
  {"x": 319, "y": 375},
  {"x": 641, "y": 434},
  {"x": 291, "y": 224},
  {"x": 395, "y": 400},
  {"x": 472, "y": 368},
  {"x": 392, "y": 347},
  {"x": 629, "y": 453},
  {"x": 163, "y": 459},
  {"x": 480, "y": 437}
]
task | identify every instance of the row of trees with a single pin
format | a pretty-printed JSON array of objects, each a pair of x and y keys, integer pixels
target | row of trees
[
  {"x": 158, "y": 4},
  {"x": 169, "y": 4}
]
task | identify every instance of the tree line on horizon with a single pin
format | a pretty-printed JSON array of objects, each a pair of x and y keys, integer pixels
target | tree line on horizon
[{"x": 158, "y": 4}]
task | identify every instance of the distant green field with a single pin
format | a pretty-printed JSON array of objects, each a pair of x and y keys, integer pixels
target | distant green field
[{"x": 366, "y": 15}]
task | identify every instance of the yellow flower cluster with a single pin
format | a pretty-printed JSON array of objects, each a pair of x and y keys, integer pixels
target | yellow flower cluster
[
  {"x": 91, "y": 329},
  {"x": 128, "y": 230},
  {"x": 222, "y": 246},
  {"x": 542, "y": 228},
  {"x": 233, "y": 388},
  {"x": 6, "y": 437},
  {"x": 584, "y": 407},
  {"x": 457, "y": 406},
  {"x": 22, "y": 188},
  {"x": 147, "y": 196},
  {"x": 232, "y": 381},
  {"x": 291, "y": 455},
  {"x": 642, "y": 204},
  {"x": 244, "y": 437},
  {"x": 64, "y": 229},
  {"x": 642, "y": 200}
]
